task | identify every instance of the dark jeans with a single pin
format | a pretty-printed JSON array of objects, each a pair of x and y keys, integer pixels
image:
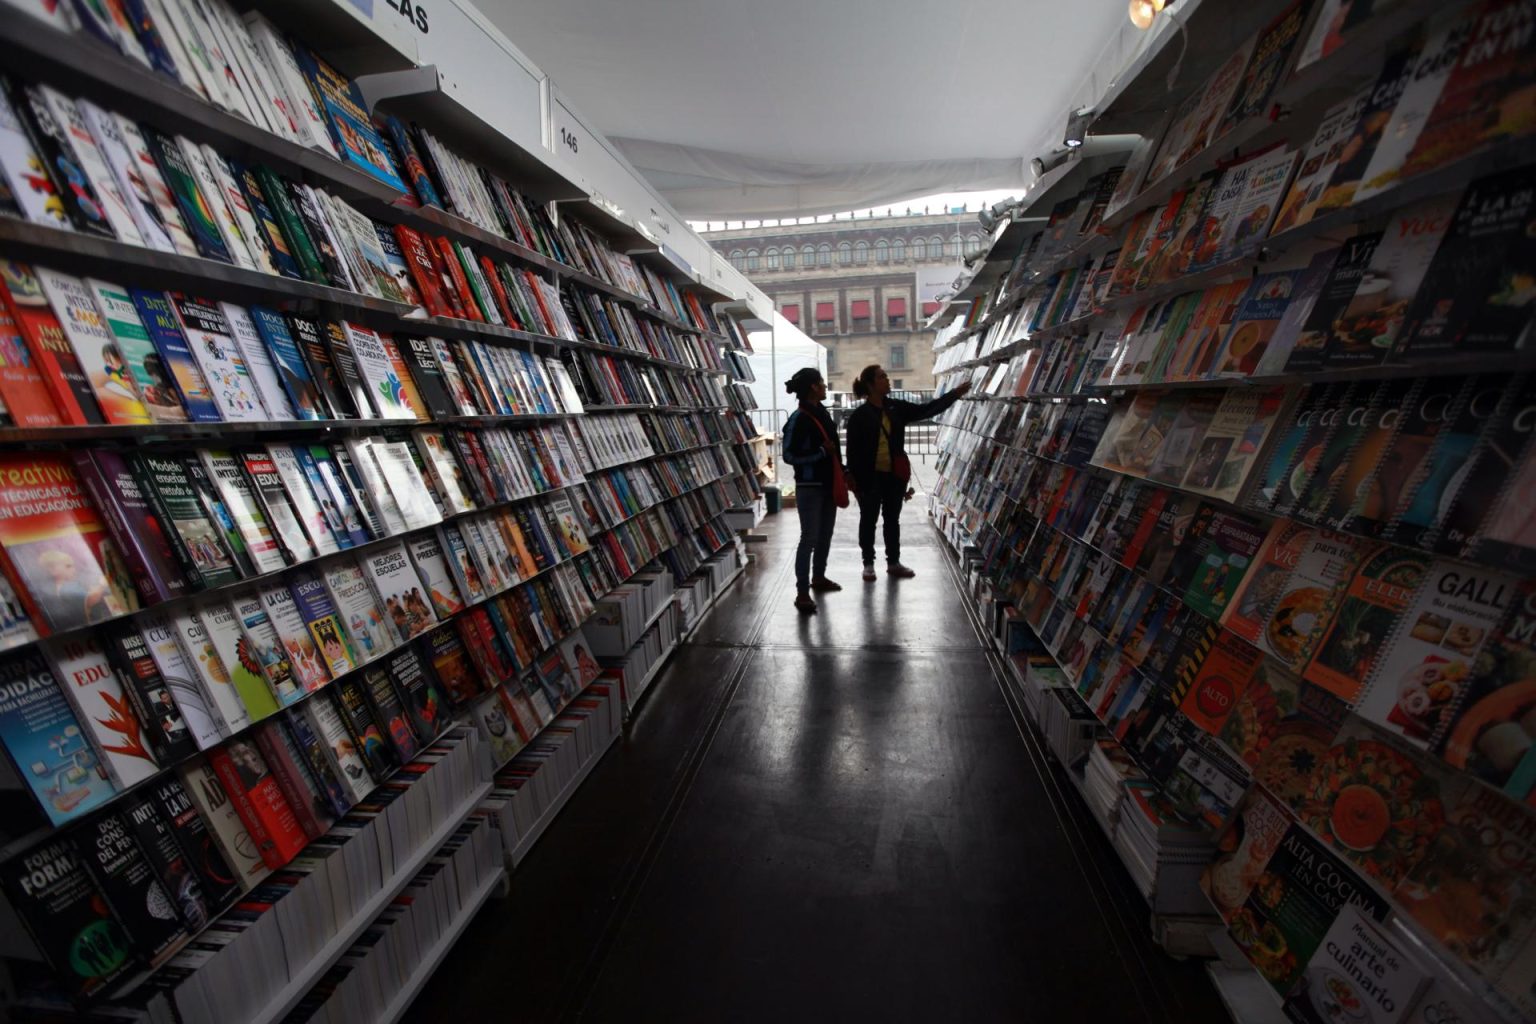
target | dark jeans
[
  {"x": 881, "y": 495},
  {"x": 818, "y": 514}
]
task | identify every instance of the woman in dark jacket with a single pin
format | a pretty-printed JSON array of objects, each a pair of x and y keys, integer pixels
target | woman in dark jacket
[
  {"x": 810, "y": 445},
  {"x": 876, "y": 432}
]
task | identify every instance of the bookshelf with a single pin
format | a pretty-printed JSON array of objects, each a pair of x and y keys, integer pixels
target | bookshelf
[
  {"x": 1206, "y": 470},
  {"x": 557, "y": 417}
]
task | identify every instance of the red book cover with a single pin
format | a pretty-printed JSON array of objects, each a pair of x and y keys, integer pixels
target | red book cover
[
  {"x": 22, "y": 387},
  {"x": 499, "y": 294},
  {"x": 290, "y": 777},
  {"x": 259, "y": 801},
  {"x": 418, "y": 260},
  {"x": 1144, "y": 529},
  {"x": 447, "y": 260},
  {"x": 60, "y": 369},
  {"x": 550, "y": 323}
]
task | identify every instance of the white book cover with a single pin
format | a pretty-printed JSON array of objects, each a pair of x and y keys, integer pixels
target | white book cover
[
  {"x": 224, "y": 825},
  {"x": 383, "y": 384},
  {"x": 399, "y": 590},
  {"x": 235, "y": 92},
  {"x": 93, "y": 689},
  {"x": 358, "y": 609},
  {"x": 125, "y": 172},
  {"x": 285, "y": 67},
  {"x": 340, "y": 233},
  {"x": 93, "y": 164},
  {"x": 570, "y": 398},
  {"x": 240, "y": 209},
  {"x": 234, "y": 60},
  {"x": 304, "y": 660},
  {"x": 154, "y": 183},
  {"x": 1358, "y": 975},
  {"x": 496, "y": 729},
  {"x": 165, "y": 648},
  {"x": 365, "y": 238},
  {"x": 94, "y": 346},
  {"x": 305, "y": 504},
  {"x": 360, "y": 453},
  {"x": 399, "y": 471},
  {"x": 442, "y": 593},
  {"x": 263, "y": 94},
  {"x": 51, "y": 12},
  {"x": 217, "y": 199},
  {"x": 447, "y": 476},
  {"x": 198, "y": 650},
  {"x": 186, "y": 73},
  {"x": 190, "y": 40},
  {"x": 1429, "y": 656},
  {"x": 217, "y": 355},
  {"x": 234, "y": 651},
  {"x": 456, "y": 554},
  {"x": 258, "y": 361},
  {"x": 266, "y": 647},
  {"x": 328, "y": 725},
  {"x": 25, "y": 174}
]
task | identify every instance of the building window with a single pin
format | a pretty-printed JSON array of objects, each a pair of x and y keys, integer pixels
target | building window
[
  {"x": 930, "y": 308},
  {"x": 935, "y": 248},
  {"x": 844, "y": 254},
  {"x": 899, "y": 251},
  {"x": 738, "y": 259},
  {"x": 808, "y": 255},
  {"x": 919, "y": 249},
  {"x": 955, "y": 244},
  {"x": 824, "y": 255},
  {"x": 896, "y": 312},
  {"x": 789, "y": 259},
  {"x": 772, "y": 259},
  {"x": 896, "y": 383},
  {"x": 754, "y": 259},
  {"x": 826, "y": 318},
  {"x": 791, "y": 312},
  {"x": 831, "y": 362},
  {"x": 860, "y": 253},
  {"x": 898, "y": 360},
  {"x": 882, "y": 251},
  {"x": 973, "y": 242},
  {"x": 858, "y": 312}
]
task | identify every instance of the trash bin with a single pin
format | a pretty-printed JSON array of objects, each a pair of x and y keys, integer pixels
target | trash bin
[{"x": 775, "y": 502}]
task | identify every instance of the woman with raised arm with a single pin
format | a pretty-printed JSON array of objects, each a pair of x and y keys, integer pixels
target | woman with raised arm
[
  {"x": 878, "y": 464},
  {"x": 810, "y": 445}
]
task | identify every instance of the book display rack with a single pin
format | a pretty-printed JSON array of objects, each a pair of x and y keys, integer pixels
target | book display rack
[
  {"x": 1245, "y": 482},
  {"x": 325, "y": 431}
]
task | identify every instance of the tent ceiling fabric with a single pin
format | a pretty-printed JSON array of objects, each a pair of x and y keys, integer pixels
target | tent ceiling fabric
[{"x": 779, "y": 107}]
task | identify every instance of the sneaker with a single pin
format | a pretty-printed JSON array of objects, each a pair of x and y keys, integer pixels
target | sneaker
[
  {"x": 805, "y": 604},
  {"x": 900, "y": 571},
  {"x": 869, "y": 574},
  {"x": 822, "y": 585}
]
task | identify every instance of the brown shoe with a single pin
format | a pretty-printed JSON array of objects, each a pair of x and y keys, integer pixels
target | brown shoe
[
  {"x": 900, "y": 571},
  {"x": 822, "y": 585},
  {"x": 805, "y": 604}
]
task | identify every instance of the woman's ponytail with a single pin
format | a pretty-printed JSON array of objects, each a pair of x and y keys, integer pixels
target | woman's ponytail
[{"x": 864, "y": 383}]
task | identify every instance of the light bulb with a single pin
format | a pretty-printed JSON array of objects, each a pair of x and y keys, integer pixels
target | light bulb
[{"x": 1144, "y": 12}]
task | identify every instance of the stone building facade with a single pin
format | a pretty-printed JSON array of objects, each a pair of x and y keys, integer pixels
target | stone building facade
[{"x": 851, "y": 284}]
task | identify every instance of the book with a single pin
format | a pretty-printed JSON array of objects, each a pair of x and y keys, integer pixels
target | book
[
  {"x": 23, "y": 170},
  {"x": 266, "y": 484},
  {"x": 89, "y": 683},
  {"x": 320, "y": 619},
  {"x": 397, "y": 466},
  {"x": 289, "y": 364},
  {"x": 344, "y": 522},
  {"x": 258, "y": 800},
  {"x": 1473, "y": 296},
  {"x": 452, "y": 664},
  {"x": 68, "y": 918},
  {"x": 382, "y": 384},
  {"x": 356, "y": 140},
  {"x": 1309, "y": 352},
  {"x": 194, "y": 536},
  {"x": 1429, "y": 657},
  {"x": 1309, "y": 597},
  {"x": 94, "y": 173},
  {"x": 130, "y": 886},
  {"x": 352, "y": 700},
  {"x": 305, "y": 503},
  {"x": 196, "y": 208},
  {"x": 171, "y": 866},
  {"x": 258, "y": 361},
  {"x": 162, "y": 639},
  {"x": 1214, "y": 558},
  {"x": 23, "y": 391},
  {"x": 1356, "y": 966},
  {"x": 224, "y": 471},
  {"x": 398, "y": 587},
  {"x": 44, "y": 336},
  {"x": 236, "y": 654},
  {"x": 1318, "y": 162},
  {"x": 181, "y": 370},
  {"x": 441, "y": 591},
  {"x": 200, "y": 161},
  {"x": 224, "y": 826},
  {"x": 46, "y": 742},
  {"x": 304, "y": 660},
  {"x": 358, "y": 610},
  {"x": 1377, "y": 596},
  {"x": 164, "y": 727},
  {"x": 1271, "y": 57},
  {"x": 263, "y": 651},
  {"x": 1451, "y": 441},
  {"x": 99, "y": 356},
  {"x": 1382, "y": 97},
  {"x": 220, "y": 881},
  {"x": 420, "y": 691},
  {"x": 389, "y": 711},
  {"x": 142, "y": 363},
  {"x": 140, "y": 202},
  {"x": 135, "y": 526},
  {"x": 213, "y": 348}
]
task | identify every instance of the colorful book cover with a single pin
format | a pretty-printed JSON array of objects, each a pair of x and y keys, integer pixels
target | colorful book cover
[
  {"x": 164, "y": 727},
  {"x": 31, "y": 185},
  {"x": 1353, "y": 483},
  {"x": 358, "y": 610},
  {"x": 211, "y": 189},
  {"x": 305, "y": 503},
  {"x": 227, "y": 649},
  {"x": 220, "y": 882},
  {"x": 1243, "y": 849},
  {"x": 1356, "y": 969},
  {"x": 1310, "y": 350},
  {"x": 397, "y": 467},
  {"x": 1214, "y": 559},
  {"x": 1444, "y": 470},
  {"x": 134, "y": 524},
  {"x": 1318, "y": 162},
  {"x": 314, "y": 605},
  {"x": 442, "y": 593},
  {"x": 1293, "y": 904},
  {"x": 369, "y": 488},
  {"x": 1367, "y": 616},
  {"x": 352, "y": 700},
  {"x": 161, "y": 638},
  {"x": 62, "y": 373},
  {"x": 209, "y": 672},
  {"x": 181, "y": 370},
  {"x": 129, "y": 883},
  {"x": 23, "y": 389},
  {"x": 304, "y": 660},
  {"x": 86, "y": 210},
  {"x": 1429, "y": 658},
  {"x": 452, "y": 664},
  {"x": 170, "y": 864},
  {"x": 384, "y": 388},
  {"x": 1221, "y": 680},
  {"x": 1476, "y": 295},
  {"x": 195, "y": 536},
  {"x": 337, "y": 499},
  {"x": 68, "y": 917},
  {"x": 212, "y": 346},
  {"x": 1381, "y": 98},
  {"x": 1271, "y": 57},
  {"x": 268, "y": 230},
  {"x": 400, "y": 591},
  {"x": 1310, "y": 597},
  {"x": 258, "y": 361},
  {"x": 102, "y": 361},
  {"x": 355, "y": 137},
  {"x": 259, "y": 801},
  {"x": 262, "y": 651},
  {"x": 46, "y": 742},
  {"x": 224, "y": 826},
  {"x": 150, "y": 181},
  {"x": 1355, "y": 420},
  {"x": 420, "y": 691},
  {"x": 89, "y": 683},
  {"x": 234, "y": 491},
  {"x": 196, "y": 213},
  {"x": 391, "y": 714},
  {"x": 130, "y": 183},
  {"x": 289, "y": 364},
  {"x": 1378, "y": 806},
  {"x": 142, "y": 361},
  {"x": 290, "y": 767}
]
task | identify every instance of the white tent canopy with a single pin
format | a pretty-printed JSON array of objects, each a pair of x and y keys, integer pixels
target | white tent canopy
[
  {"x": 777, "y": 353},
  {"x": 768, "y": 108}
]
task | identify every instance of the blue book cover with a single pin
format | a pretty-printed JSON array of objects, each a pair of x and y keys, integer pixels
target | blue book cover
[
  {"x": 354, "y": 134},
  {"x": 318, "y": 761},
  {"x": 334, "y": 517},
  {"x": 160, "y": 321},
  {"x": 353, "y": 519},
  {"x": 46, "y": 743},
  {"x": 267, "y": 227},
  {"x": 149, "y": 38},
  {"x": 313, "y": 599},
  {"x": 292, "y": 371}
]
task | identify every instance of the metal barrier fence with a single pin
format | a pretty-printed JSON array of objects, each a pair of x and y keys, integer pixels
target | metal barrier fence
[{"x": 921, "y": 438}]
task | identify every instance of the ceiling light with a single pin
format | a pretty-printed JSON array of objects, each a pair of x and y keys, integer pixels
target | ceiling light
[
  {"x": 1077, "y": 127},
  {"x": 1042, "y": 165},
  {"x": 1144, "y": 12}
]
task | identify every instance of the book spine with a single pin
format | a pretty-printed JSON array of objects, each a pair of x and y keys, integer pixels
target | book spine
[{"x": 144, "y": 478}]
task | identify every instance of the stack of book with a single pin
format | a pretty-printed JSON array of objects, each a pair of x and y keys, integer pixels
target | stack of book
[{"x": 1166, "y": 856}]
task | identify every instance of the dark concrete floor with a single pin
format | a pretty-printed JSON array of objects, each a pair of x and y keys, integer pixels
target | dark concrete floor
[{"x": 833, "y": 817}]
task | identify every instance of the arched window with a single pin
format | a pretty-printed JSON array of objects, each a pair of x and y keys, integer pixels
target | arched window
[
  {"x": 824, "y": 255},
  {"x": 899, "y": 251},
  {"x": 973, "y": 241},
  {"x": 844, "y": 254},
  {"x": 955, "y": 245},
  {"x": 789, "y": 257},
  {"x": 935, "y": 248},
  {"x": 738, "y": 259},
  {"x": 860, "y": 253},
  {"x": 807, "y": 255},
  {"x": 919, "y": 249},
  {"x": 882, "y": 251},
  {"x": 754, "y": 260},
  {"x": 771, "y": 256}
]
